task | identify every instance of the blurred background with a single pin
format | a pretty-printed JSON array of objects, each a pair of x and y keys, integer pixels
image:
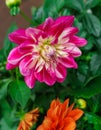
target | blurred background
[{"x": 6, "y": 19}]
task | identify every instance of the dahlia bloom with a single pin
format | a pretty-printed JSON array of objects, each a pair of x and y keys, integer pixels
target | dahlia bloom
[
  {"x": 45, "y": 52},
  {"x": 28, "y": 120},
  {"x": 60, "y": 116}
]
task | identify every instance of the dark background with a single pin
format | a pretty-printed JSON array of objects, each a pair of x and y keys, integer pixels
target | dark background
[{"x": 6, "y": 19}]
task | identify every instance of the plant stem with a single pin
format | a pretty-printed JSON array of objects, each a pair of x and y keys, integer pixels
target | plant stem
[{"x": 25, "y": 17}]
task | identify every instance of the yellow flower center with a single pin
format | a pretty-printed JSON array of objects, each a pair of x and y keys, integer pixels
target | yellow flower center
[{"x": 49, "y": 51}]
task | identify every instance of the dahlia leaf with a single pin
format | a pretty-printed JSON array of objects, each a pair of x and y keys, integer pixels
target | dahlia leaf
[
  {"x": 92, "y": 88},
  {"x": 92, "y": 3},
  {"x": 92, "y": 24},
  {"x": 75, "y": 4},
  {"x": 3, "y": 89},
  {"x": 94, "y": 119},
  {"x": 95, "y": 64},
  {"x": 20, "y": 92},
  {"x": 7, "y": 44}
]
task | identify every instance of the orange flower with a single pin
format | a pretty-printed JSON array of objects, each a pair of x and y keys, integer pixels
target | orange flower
[
  {"x": 60, "y": 116},
  {"x": 29, "y": 119}
]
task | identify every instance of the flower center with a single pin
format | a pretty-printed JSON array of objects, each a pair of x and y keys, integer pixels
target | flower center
[{"x": 50, "y": 52}]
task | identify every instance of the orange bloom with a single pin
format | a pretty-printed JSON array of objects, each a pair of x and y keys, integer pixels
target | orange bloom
[
  {"x": 29, "y": 119},
  {"x": 60, "y": 116}
]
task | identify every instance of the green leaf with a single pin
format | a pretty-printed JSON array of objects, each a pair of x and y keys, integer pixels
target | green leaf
[
  {"x": 39, "y": 16},
  {"x": 94, "y": 119},
  {"x": 75, "y": 4},
  {"x": 3, "y": 87},
  {"x": 7, "y": 111},
  {"x": 5, "y": 126},
  {"x": 20, "y": 92},
  {"x": 92, "y": 3},
  {"x": 51, "y": 8},
  {"x": 92, "y": 24},
  {"x": 92, "y": 88},
  {"x": 7, "y": 44},
  {"x": 98, "y": 43},
  {"x": 95, "y": 64}
]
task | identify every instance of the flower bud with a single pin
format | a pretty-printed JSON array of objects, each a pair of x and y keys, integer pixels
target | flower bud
[
  {"x": 81, "y": 103},
  {"x": 11, "y": 3}
]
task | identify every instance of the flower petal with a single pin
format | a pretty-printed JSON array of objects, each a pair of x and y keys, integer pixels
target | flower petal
[
  {"x": 30, "y": 80},
  {"x": 10, "y": 66},
  {"x": 34, "y": 34},
  {"x": 60, "y": 24},
  {"x": 26, "y": 47},
  {"x": 15, "y": 56},
  {"x": 78, "y": 41},
  {"x": 18, "y": 36},
  {"x": 76, "y": 114},
  {"x": 72, "y": 49},
  {"x": 68, "y": 62},
  {"x": 67, "y": 20},
  {"x": 60, "y": 73},
  {"x": 24, "y": 65},
  {"x": 44, "y": 76},
  {"x": 69, "y": 124},
  {"x": 46, "y": 25},
  {"x": 68, "y": 32}
]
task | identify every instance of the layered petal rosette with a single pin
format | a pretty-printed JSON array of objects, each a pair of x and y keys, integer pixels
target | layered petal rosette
[
  {"x": 45, "y": 52},
  {"x": 61, "y": 116}
]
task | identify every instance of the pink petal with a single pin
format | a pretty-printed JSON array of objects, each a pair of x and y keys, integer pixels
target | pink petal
[
  {"x": 68, "y": 62},
  {"x": 73, "y": 50},
  {"x": 10, "y": 66},
  {"x": 46, "y": 25},
  {"x": 34, "y": 34},
  {"x": 78, "y": 41},
  {"x": 26, "y": 47},
  {"x": 30, "y": 80},
  {"x": 48, "y": 79},
  {"x": 18, "y": 36},
  {"x": 60, "y": 73},
  {"x": 44, "y": 76},
  {"x": 24, "y": 65},
  {"x": 15, "y": 56},
  {"x": 68, "y": 32},
  {"x": 60, "y": 24},
  {"x": 39, "y": 75},
  {"x": 67, "y": 20}
]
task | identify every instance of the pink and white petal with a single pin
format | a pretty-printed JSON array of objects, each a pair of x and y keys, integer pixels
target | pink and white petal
[
  {"x": 60, "y": 24},
  {"x": 72, "y": 49},
  {"x": 44, "y": 76},
  {"x": 40, "y": 64},
  {"x": 50, "y": 67},
  {"x": 67, "y": 20},
  {"x": 30, "y": 80},
  {"x": 46, "y": 25},
  {"x": 24, "y": 65},
  {"x": 60, "y": 73},
  {"x": 10, "y": 66},
  {"x": 78, "y": 41},
  {"x": 18, "y": 36},
  {"x": 26, "y": 47},
  {"x": 49, "y": 79},
  {"x": 68, "y": 32},
  {"x": 39, "y": 75},
  {"x": 68, "y": 62},
  {"x": 15, "y": 56},
  {"x": 34, "y": 34}
]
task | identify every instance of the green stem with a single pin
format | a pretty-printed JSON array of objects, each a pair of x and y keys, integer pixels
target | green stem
[{"x": 25, "y": 17}]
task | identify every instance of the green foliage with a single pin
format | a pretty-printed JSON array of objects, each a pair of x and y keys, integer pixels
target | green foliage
[
  {"x": 85, "y": 82},
  {"x": 19, "y": 92}
]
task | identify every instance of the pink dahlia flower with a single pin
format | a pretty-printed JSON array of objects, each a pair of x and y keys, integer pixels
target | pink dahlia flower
[{"x": 43, "y": 53}]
